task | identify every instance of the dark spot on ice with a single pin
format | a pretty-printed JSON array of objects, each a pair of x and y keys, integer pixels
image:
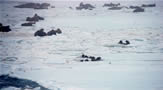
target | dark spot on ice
[
  {"x": 20, "y": 41},
  {"x": 35, "y": 18},
  {"x": 32, "y": 20},
  {"x": 84, "y": 56},
  {"x": 9, "y": 81},
  {"x": 85, "y": 6},
  {"x": 28, "y": 24},
  {"x": 111, "y": 5},
  {"x": 34, "y": 5},
  {"x": 98, "y": 58},
  {"x": 124, "y": 42},
  {"x": 4, "y": 28},
  {"x": 115, "y": 8},
  {"x": 52, "y": 32},
  {"x": 40, "y": 33},
  {"x": 58, "y": 31},
  {"x": 87, "y": 58},
  {"x": 149, "y": 5},
  {"x": 134, "y": 7},
  {"x": 140, "y": 9},
  {"x": 81, "y": 60},
  {"x": 10, "y": 59}
]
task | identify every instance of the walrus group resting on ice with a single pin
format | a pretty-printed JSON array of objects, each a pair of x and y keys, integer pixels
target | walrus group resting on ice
[
  {"x": 42, "y": 33},
  {"x": 114, "y": 6},
  {"x": 87, "y": 6},
  {"x": 32, "y": 20}
]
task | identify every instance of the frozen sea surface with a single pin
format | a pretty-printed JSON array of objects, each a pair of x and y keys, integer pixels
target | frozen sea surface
[{"x": 51, "y": 60}]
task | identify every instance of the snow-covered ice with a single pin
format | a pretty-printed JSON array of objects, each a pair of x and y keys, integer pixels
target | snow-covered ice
[{"x": 51, "y": 60}]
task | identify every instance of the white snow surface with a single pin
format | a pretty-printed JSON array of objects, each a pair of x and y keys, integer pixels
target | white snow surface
[{"x": 51, "y": 60}]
